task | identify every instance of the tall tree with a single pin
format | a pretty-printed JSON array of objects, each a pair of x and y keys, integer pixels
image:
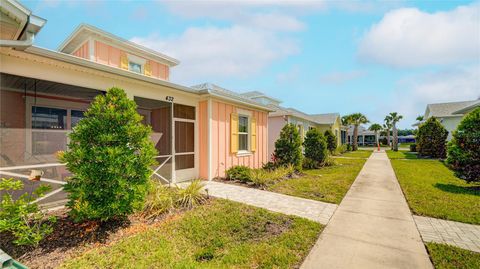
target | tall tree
[
  {"x": 375, "y": 128},
  {"x": 394, "y": 118},
  {"x": 356, "y": 119},
  {"x": 419, "y": 118},
  {"x": 388, "y": 126}
]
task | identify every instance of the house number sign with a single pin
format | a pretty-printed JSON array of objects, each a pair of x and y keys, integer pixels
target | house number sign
[{"x": 169, "y": 98}]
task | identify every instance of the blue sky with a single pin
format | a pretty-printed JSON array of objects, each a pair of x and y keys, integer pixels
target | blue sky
[{"x": 316, "y": 56}]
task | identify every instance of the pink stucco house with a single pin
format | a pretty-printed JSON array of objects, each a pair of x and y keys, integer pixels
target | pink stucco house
[{"x": 199, "y": 131}]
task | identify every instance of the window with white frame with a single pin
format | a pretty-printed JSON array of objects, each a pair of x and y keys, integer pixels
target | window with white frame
[
  {"x": 243, "y": 133},
  {"x": 135, "y": 67},
  {"x": 136, "y": 64}
]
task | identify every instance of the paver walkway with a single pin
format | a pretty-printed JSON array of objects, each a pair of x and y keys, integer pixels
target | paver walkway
[
  {"x": 290, "y": 205},
  {"x": 454, "y": 233},
  {"x": 372, "y": 227}
]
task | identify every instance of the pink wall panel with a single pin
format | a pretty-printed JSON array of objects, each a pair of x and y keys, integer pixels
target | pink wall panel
[
  {"x": 222, "y": 159},
  {"x": 82, "y": 51},
  {"x": 101, "y": 53},
  {"x": 106, "y": 54}
]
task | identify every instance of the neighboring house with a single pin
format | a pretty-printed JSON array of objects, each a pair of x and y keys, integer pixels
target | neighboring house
[
  {"x": 332, "y": 122},
  {"x": 449, "y": 114},
  {"x": 304, "y": 122},
  {"x": 365, "y": 137},
  {"x": 44, "y": 94}
]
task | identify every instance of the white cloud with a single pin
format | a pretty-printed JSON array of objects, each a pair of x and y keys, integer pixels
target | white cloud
[
  {"x": 449, "y": 85},
  {"x": 290, "y": 75},
  {"x": 342, "y": 77},
  {"x": 408, "y": 37},
  {"x": 213, "y": 52}
]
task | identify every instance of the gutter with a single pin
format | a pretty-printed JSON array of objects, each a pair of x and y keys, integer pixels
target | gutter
[{"x": 19, "y": 44}]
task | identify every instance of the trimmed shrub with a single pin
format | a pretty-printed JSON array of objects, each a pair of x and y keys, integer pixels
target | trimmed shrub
[
  {"x": 384, "y": 141},
  {"x": 413, "y": 147},
  {"x": 464, "y": 148},
  {"x": 239, "y": 172},
  {"x": 269, "y": 166},
  {"x": 110, "y": 155},
  {"x": 21, "y": 217},
  {"x": 349, "y": 147},
  {"x": 331, "y": 140},
  {"x": 431, "y": 139},
  {"x": 315, "y": 148},
  {"x": 288, "y": 147}
]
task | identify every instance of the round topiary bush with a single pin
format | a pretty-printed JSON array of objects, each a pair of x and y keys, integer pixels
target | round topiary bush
[
  {"x": 288, "y": 147},
  {"x": 331, "y": 140},
  {"x": 315, "y": 147},
  {"x": 431, "y": 139},
  {"x": 110, "y": 155},
  {"x": 464, "y": 148}
]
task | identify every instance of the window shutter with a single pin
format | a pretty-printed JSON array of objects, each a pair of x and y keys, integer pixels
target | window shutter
[
  {"x": 147, "y": 69},
  {"x": 124, "y": 61},
  {"x": 253, "y": 134},
  {"x": 233, "y": 133}
]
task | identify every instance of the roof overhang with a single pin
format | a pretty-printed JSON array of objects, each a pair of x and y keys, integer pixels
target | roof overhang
[
  {"x": 20, "y": 22},
  {"x": 85, "y": 31},
  {"x": 210, "y": 93},
  {"x": 67, "y": 58}
]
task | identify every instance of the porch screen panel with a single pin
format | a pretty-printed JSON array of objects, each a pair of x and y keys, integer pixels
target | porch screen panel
[
  {"x": 184, "y": 136},
  {"x": 49, "y": 133}
]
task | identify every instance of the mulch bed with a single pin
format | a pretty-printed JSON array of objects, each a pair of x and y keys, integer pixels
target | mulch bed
[{"x": 70, "y": 239}]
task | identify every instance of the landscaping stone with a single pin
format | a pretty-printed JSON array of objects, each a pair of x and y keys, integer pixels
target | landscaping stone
[
  {"x": 281, "y": 203},
  {"x": 462, "y": 235}
]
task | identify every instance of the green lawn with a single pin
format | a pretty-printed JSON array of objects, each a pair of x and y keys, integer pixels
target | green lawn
[
  {"x": 445, "y": 256},
  {"x": 433, "y": 190},
  {"x": 401, "y": 154},
  {"x": 358, "y": 153},
  {"x": 220, "y": 234},
  {"x": 328, "y": 184}
]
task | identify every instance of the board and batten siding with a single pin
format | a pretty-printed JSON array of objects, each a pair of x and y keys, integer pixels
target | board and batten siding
[
  {"x": 109, "y": 55},
  {"x": 222, "y": 157}
]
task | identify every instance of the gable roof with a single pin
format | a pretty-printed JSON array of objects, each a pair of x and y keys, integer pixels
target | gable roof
[
  {"x": 468, "y": 108},
  {"x": 217, "y": 91},
  {"x": 327, "y": 118},
  {"x": 448, "y": 109},
  {"x": 85, "y": 31}
]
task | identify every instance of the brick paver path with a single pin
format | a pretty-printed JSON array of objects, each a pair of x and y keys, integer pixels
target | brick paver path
[
  {"x": 454, "y": 233},
  {"x": 290, "y": 205},
  {"x": 372, "y": 227}
]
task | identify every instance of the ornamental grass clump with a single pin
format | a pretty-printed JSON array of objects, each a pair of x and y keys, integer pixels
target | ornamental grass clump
[
  {"x": 110, "y": 156},
  {"x": 192, "y": 195}
]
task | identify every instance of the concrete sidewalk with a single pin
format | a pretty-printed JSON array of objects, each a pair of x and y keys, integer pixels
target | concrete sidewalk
[{"x": 372, "y": 227}]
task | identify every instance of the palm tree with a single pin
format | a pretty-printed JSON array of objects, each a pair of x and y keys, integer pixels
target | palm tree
[
  {"x": 395, "y": 117},
  {"x": 356, "y": 119},
  {"x": 387, "y": 126},
  {"x": 376, "y": 128},
  {"x": 419, "y": 118}
]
